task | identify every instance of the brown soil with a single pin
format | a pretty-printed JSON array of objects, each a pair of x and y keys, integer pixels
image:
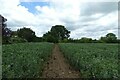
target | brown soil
[{"x": 57, "y": 67}]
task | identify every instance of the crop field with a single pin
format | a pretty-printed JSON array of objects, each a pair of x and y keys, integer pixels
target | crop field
[
  {"x": 27, "y": 60},
  {"x": 93, "y": 60},
  {"x": 24, "y": 60}
]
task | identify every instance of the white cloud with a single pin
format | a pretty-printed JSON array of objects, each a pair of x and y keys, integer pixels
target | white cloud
[
  {"x": 97, "y": 15},
  {"x": 99, "y": 27},
  {"x": 64, "y": 12},
  {"x": 16, "y": 14},
  {"x": 109, "y": 19},
  {"x": 70, "y": 0}
]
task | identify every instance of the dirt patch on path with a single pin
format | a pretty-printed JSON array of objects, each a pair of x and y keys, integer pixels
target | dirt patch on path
[{"x": 57, "y": 67}]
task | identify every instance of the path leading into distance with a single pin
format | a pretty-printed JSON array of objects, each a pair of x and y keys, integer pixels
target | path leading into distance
[{"x": 57, "y": 66}]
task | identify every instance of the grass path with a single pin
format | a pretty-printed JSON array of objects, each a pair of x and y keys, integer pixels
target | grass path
[{"x": 57, "y": 67}]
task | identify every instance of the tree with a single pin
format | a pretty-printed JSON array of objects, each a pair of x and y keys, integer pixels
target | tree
[
  {"x": 14, "y": 34},
  {"x": 111, "y": 38},
  {"x": 70, "y": 40},
  {"x": 86, "y": 40},
  {"x": 6, "y": 32},
  {"x": 15, "y": 39},
  {"x": 56, "y": 34},
  {"x": 60, "y": 32},
  {"x": 26, "y": 33},
  {"x": 38, "y": 39},
  {"x": 103, "y": 40}
]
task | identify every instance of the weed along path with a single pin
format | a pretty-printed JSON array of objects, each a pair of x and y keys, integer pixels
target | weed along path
[{"x": 57, "y": 67}]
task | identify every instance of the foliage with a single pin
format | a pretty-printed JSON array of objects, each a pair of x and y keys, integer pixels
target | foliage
[
  {"x": 60, "y": 32},
  {"x": 17, "y": 40},
  {"x": 82, "y": 40},
  {"x": 38, "y": 39},
  {"x": 49, "y": 38},
  {"x": 25, "y": 60},
  {"x": 109, "y": 38},
  {"x": 6, "y": 32},
  {"x": 56, "y": 34},
  {"x": 26, "y": 33},
  {"x": 94, "y": 60},
  {"x": 86, "y": 40}
]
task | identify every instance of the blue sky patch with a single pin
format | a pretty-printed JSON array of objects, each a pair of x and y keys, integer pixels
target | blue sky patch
[{"x": 31, "y": 5}]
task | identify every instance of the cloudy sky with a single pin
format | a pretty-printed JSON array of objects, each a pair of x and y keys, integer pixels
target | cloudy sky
[{"x": 83, "y": 19}]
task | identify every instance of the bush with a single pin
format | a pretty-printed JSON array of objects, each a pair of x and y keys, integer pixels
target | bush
[{"x": 17, "y": 40}]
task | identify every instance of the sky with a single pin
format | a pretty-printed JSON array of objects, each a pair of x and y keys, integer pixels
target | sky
[{"x": 83, "y": 18}]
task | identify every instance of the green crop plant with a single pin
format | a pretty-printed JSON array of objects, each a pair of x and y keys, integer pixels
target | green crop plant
[
  {"x": 24, "y": 60},
  {"x": 94, "y": 60}
]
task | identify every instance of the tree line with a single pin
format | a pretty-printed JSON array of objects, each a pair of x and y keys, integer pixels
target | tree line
[{"x": 57, "y": 33}]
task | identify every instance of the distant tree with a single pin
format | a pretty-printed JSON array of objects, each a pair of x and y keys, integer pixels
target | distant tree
[
  {"x": 86, "y": 40},
  {"x": 95, "y": 41},
  {"x": 60, "y": 32},
  {"x": 57, "y": 34},
  {"x": 118, "y": 40},
  {"x": 45, "y": 36},
  {"x": 15, "y": 39},
  {"x": 70, "y": 39},
  {"x": 14, "y": 34},
  {"x": 49, "y": 37},
  {"x": 111, "y": 38},
  {"x": 38, "y": 39},
  {"x": 26, "y": 33},
  {"x": 103, "y": 40}
]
